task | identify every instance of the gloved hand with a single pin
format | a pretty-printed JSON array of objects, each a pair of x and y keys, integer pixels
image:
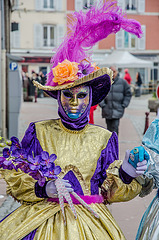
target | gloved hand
[
  {"x": 51, "y": 190},
  {"x": 140, "y": 163},
  {"x": 138, "y": 154}
]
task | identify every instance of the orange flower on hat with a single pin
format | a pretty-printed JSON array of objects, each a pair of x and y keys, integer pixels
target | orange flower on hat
[
  {"x": 65, "y": 72},
  {"x": 95, "y": 67}
]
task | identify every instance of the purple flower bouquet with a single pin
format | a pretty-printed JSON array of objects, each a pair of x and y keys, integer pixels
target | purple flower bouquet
[{"x": 40, "y": 167}]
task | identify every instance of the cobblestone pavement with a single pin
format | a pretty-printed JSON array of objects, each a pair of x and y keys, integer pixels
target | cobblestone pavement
[{"x": 131, "y": 130}]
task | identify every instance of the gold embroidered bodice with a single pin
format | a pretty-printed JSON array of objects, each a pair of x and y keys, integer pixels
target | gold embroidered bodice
[{"x": 78, "y": 151}]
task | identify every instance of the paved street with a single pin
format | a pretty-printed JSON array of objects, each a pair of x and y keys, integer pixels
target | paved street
[{"x": 131, "y": 129}]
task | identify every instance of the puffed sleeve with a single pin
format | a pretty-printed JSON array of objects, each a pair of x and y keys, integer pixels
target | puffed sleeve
[
  {"x": 19, "y": 184},
  {"x": 114, "y": 189},
  {"x": 116, "y": 186}
]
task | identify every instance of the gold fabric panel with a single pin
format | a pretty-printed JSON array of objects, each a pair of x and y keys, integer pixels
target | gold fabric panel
[
  {"x": 20, "y": 185},
  {"x": 77, "y": 151},
  {"x": 74, "y": 149},
  {"x": 117, "y": 191},
  {"x": 47, "y": 217}
]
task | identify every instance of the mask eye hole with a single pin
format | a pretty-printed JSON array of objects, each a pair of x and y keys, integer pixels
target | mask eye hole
[
  {"x": 82, "y": 95},
  {"x": 67, "y": 94}
]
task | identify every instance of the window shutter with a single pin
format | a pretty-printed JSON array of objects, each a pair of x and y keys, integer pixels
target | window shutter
[
  {"x": 39, "y": 5},
  {"x": 16, "y": 4},
  {"x": 15, "y": 39},
  {"x": 119, "y": 40},
  {"x": 58, "y": 5},
  {"x": 121, "y": 3},
  {"x": 142, "y": 41},
  {"x": 60, "y": 34},
  {"x": 38, "y": 35},
  {"x": 141, "y": 6},
  {"x": 78, "y": 5}
]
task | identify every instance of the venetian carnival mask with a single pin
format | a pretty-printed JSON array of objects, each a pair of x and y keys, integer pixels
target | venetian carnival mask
[{"x": 75, "y": 101}]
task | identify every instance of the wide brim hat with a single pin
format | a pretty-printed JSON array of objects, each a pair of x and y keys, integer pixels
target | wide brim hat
[
  {"x": 100, "y": 82},
  {"x": 71, "y": 65}
]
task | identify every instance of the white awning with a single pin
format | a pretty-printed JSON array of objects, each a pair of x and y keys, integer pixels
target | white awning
[{"x": 124, "y": 59}]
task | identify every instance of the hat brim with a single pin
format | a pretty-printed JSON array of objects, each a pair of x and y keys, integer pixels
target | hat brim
[{"x": 100, "y": 82}]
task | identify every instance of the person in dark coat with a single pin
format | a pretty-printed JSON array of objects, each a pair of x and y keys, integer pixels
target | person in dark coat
[
  {"x": 117, "y": 100},
  {"x": 138, "y": 84}
]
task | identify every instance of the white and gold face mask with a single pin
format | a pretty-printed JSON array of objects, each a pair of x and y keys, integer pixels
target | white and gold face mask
[{"x": 75, "y": 101}]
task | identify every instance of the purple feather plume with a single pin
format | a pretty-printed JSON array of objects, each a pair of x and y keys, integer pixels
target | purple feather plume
[{"x": 88, "y": 28}]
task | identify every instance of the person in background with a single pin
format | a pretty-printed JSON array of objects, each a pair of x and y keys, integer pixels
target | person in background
[
  {"x": 42, "y": 78},
  {"x": 138, "y": 84},
  {"x": 116, "y": 101},
  {"x": 34, "y": 89},
  {"x": 91, "y": 114},
  {"x": 127, "y": 76}
]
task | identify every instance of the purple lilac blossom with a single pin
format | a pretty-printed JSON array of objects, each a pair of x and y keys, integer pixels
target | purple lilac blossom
[
  {"x": 19, "y": 154},
  {"x": 2, "y": 159},
  {"x": 15, "y": 143},
  {"x": 85, "y": 68},
  {"x": 6, "y": 153},
  {"x": 48, "y": 161},
  {"x": 8, "y": 165},
  {"x": 34, "y": 163},
  {"x": 38, "y": 175},
  {"x": 39, "y": 167}
]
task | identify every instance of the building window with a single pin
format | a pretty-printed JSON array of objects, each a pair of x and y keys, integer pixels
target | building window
[
  {"x": 131, "y": 5},
  {"x": 125, "y": 40},
  {"x": 87, "y": 3},
  {"x": 135, "y": 6},
  {"x": 15, "y": 35},
  {"x": 129, "y": 40},
  {"x": 83, "y": 4},
  {"x": 48, "y": 36},
  {"x": 154, "y": 74},
  {"x": 48, "y": 4},
  {"x": 15, "y": 4}
]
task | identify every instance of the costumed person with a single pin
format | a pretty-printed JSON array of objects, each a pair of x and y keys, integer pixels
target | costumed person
[
  {"x": 91, "y": 114},
  {"x": 127, "y": 76},
  {"x": 149, "y": 225},
  {"x": 87, "y": 154}
]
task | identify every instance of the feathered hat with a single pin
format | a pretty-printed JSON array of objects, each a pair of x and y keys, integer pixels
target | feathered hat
[{"x": 72, "y": 65}]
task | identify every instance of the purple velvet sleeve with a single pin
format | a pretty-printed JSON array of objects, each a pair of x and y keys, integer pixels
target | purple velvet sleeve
[
  {"x": 31, "y": 144},
  {"x": 124, "y": 176},
  {"x": 30, "y": 141},
  {"x": 40, "y": 191},
  {"x": 108, "y": 155}
]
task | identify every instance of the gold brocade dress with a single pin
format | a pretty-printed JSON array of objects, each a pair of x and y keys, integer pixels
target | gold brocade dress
[{"x": 84, "y": 157}]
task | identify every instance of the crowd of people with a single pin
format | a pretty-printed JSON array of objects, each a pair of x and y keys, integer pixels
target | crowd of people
[{"x": 29, "y": 90}]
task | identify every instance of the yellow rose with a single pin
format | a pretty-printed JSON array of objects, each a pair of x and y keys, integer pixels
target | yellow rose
[{"x": 65, "y": 71}]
